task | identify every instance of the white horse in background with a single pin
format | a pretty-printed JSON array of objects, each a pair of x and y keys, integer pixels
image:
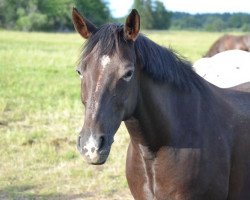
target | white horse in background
[{"x": 225, "y": 69}]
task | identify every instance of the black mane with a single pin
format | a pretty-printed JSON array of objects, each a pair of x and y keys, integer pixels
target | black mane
[{"x": 160, "y": 63}]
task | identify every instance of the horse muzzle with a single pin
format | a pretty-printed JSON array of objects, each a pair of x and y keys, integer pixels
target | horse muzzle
[{"x": 95, "y": 148}]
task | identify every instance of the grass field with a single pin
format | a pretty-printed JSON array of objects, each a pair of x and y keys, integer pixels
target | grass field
[{"x": 41, "y": 115}]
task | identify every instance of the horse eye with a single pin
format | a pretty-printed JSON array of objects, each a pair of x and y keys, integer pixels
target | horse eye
[
  {"x": 79, "y": 73},
  {"x": 128, "y": 75}
]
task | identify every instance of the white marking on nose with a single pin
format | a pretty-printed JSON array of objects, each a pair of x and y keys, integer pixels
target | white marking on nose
[{"x": 91, "y": 148}]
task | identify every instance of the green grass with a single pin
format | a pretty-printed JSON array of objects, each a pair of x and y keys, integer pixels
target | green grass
[{"x": 41, "y": 115}]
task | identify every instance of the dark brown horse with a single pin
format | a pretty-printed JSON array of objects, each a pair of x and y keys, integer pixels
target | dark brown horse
[
  {"x": 189, "y": 139},
  {"x": 228, "y": 42}
]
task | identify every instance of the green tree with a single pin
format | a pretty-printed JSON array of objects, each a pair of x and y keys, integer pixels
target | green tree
[
  {"x": 31, "y": 15},
  {"x": 138, "y": 5},
  {"x": 8, "y": 12},
  {"x": 245, "y": 27},
  {"x": 216, "y": 25},
  {"x": 235, "y": 21},
  {"x": 144, "y": 8},
  {"x": 161, "y": 16},
  {"x": 21, "y": 15},
  {"x": 95, "y": 10},
  {"x": 58, "y": 13},
  {"x": 148, "y": 15},
  {"x": 153, "y": 14}
]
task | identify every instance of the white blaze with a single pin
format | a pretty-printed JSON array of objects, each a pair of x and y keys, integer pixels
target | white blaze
[{"x": 105, "y": 60}]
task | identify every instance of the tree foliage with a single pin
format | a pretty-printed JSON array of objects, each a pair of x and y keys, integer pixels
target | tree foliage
[
  {"x": 162, "y": 18},
  {"x": 153, "y": 14},
  {"x": 55, "y": 15},
  {"x": 49, "y": 15},
  {"x": 95, "y": 10},
  {"x": 211, "y": 22}
]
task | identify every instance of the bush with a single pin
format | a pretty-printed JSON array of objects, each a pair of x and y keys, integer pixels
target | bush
[
  {"x": 245, "y": 28},
  {"x": 33, "y": 21}
]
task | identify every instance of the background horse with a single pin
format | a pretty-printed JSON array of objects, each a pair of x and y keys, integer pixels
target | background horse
[
  {"x": 225, "y": 69},
  {"x": 189, "y": 139},
  {"x": 228, "y": 42}
]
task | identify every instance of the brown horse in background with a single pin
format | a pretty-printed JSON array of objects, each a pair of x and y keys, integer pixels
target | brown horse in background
[{"x": 228, "y": 42}]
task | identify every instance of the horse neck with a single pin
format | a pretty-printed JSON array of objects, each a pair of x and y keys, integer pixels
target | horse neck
[{"x": 169, "y": 116}]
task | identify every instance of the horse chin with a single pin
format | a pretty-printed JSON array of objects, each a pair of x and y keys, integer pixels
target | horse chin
[
  {"x": 99, "y": 161},
  {"x": 100, "y": 157}
]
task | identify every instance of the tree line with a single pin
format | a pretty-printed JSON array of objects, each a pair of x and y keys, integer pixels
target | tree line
[
  {"x": 55, "y": 15},
  {"x": 49, "y": 15},
  {"x": 211, "y": 22}
]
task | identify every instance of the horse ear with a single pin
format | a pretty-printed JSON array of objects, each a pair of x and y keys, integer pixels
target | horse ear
[
  {"x": 82, "y": 25},
  {"x": 132, "y": 25}
]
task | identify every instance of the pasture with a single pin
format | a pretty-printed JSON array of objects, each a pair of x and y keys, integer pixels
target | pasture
[{"x": 41, "y": 114}]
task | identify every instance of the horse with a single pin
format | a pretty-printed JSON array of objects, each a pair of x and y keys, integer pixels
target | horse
[
  {"x": 188, "y": 138},
  {"x": 225, "y": 69},
  {"x": 228, "y": 42}
]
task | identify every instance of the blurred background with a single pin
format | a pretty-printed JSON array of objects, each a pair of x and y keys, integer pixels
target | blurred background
[
  {"x": 40, "y": 108},
  {"x": 54, "y": 15}
]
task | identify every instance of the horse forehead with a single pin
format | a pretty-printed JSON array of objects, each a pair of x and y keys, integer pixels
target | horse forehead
[
  {"x": 105, "y": 60},
  {"x": 99, "y": 65},
  {"x": 104, "y": 63},
  {"x": 111, "y": 63}
]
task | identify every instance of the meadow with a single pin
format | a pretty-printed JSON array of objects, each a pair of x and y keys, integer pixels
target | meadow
[{"x": 41, "y": 115}]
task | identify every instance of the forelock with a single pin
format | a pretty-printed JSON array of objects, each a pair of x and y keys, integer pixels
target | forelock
[{"x": 107, "y": 39}]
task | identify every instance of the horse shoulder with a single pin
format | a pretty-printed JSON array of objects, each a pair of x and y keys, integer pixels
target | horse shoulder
[{"x": 138, "y": 164}]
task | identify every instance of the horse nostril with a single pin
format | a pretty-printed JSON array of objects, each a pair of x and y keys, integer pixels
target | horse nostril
[
  {"x": 79, "y": 142},
  {"x": 101, "y": 142}
]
